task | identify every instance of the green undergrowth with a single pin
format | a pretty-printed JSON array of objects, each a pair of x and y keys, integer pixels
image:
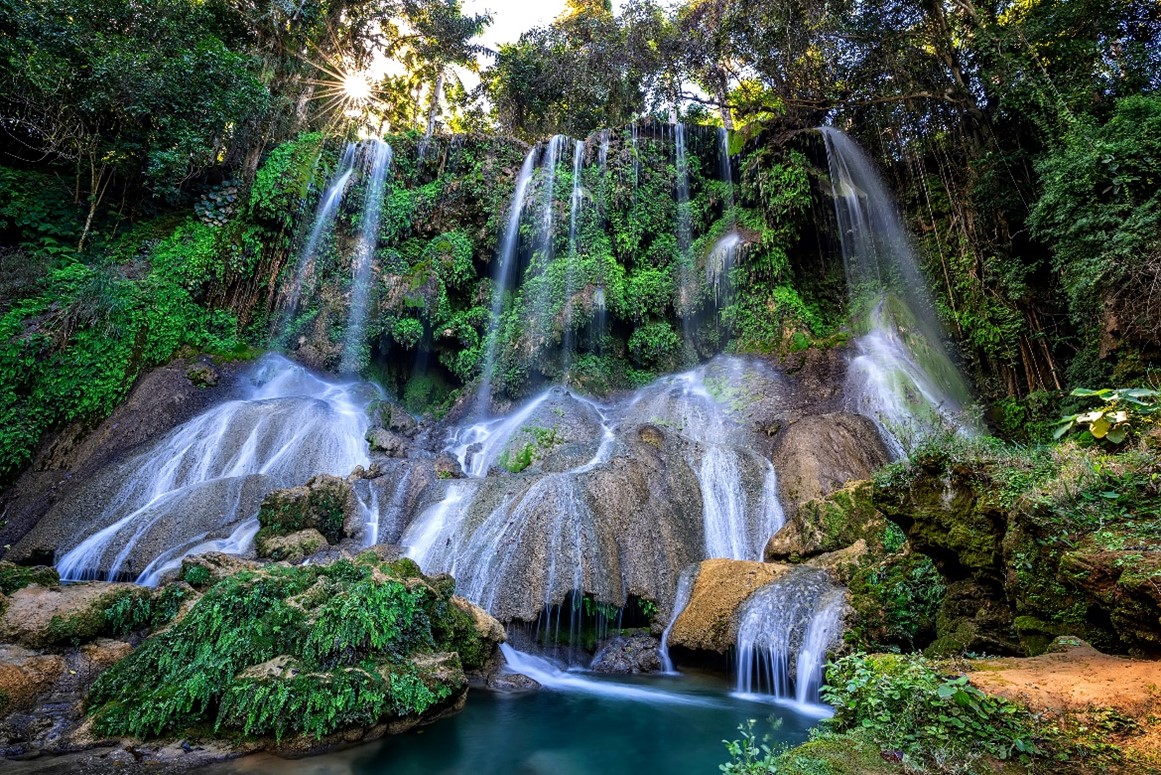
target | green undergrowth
[
  {"x": 285, "y": 651},
  {"x": 898, "y": 713}
]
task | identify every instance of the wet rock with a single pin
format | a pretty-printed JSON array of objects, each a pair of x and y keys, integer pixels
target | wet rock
[
  {"x": 397, "y": 419},
  {"x": 388, "y": 443},
  {"x": 710, "y": 619},
  {"x": 511, "y": 683},
  {"x": 290, "y": 548},
  {"x": 628, "y": 654},
  {"x": 68, "y": 458},
  {"x": 818, "y": 454},
  {"x": 447, "y": 467},
  {"x": 202, "y": 375}
]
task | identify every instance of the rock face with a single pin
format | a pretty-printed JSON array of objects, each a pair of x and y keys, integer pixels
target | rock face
[
  {"x": 628, "y": 654},
  {"x": 1023, "y": 570},
  {"x": 294, "y": 547},
  {"x": 710, "y": 620},
  {"x": 818, "y": 454},
  {"x": 38, "y": 617}
]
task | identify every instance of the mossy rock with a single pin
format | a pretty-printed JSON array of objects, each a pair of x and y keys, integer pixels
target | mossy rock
[
  {"x": 321, "y": 504},
  {"x": 43, "y": 617},
  {"x": 289, "y": 548},
  {"x": 299, "y": 654},
  {"x": 829, "y": 524},
  {"x": 14, "y": 577},
  {"x": 826, "y": 753}
]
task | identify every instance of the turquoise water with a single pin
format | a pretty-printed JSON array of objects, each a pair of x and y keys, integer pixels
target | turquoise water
[{"x": 671, "y": 724}]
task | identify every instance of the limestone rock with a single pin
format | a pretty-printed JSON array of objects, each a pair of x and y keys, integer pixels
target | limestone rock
[
  {"x": 390, "y": 444},
  {"x": 628, "y": 654},
  {"x": 322, "y": 503},
  {"x": 447, "y": 467},
  {"x": 818, "y": 454},
  {"x": 710, "y": 620},
  {"x": 510, "y": 683},
  {"x": 487, "y": 626},
  {"x": 24, "y": 675}
]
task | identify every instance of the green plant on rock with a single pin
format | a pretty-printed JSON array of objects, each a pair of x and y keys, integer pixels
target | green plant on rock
[
  {"x": 293, "y": 650},
  {"x": 1123, "y": 411},
  {"x": 750, "y": 755}
]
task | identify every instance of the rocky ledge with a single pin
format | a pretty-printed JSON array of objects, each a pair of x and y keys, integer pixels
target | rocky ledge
[{"x": 234, "y": 658}]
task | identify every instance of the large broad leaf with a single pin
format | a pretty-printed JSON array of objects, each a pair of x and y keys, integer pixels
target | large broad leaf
[
  {"x": 1100, "y": 428},
  {"x": 1086, "y": 393},
  {"x": 1117, "y": 434},
  {"x": 1063, "y": 429}
]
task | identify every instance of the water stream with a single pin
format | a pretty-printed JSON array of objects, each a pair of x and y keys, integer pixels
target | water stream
[
  {"x": 288, "y": 426},
  {"x": 376, "y": 163},
  {"x": 902, "y": 375}
]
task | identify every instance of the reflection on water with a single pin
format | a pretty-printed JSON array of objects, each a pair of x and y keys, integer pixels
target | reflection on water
[{"x": 559, "y": 733}]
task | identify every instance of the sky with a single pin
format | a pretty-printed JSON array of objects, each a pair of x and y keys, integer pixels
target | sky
[{"x": 512, "y": 17}]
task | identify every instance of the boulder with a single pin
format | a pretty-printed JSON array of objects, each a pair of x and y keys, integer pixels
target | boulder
[
  {"x": 628, "y": 654},
  {"x": 290, "y": 548},
  {"x": 818, "y": 454},
  {"x": 710, "y": 619},
  {"x": 827, "y": 525},
  {"x": 387, "y": 443},
  {"x": 322, "y": 504},
  {"x": 25, "y": 675},
  {"x": 510, "y": 683}
]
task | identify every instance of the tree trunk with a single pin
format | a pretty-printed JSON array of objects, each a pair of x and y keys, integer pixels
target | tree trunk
[
  {"x": 723, "y": 99},
  {"x": 433, "y": 108}
]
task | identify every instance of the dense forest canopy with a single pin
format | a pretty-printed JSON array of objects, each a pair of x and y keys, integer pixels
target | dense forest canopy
[{"x": 1022, "y": 139}]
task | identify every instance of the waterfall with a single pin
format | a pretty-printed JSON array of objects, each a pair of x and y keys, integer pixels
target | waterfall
[
  {"x": 324, "y": 217},
  {"x": 796, "y": 618},
  {"x": 725, "y": 170},
  {"x": 902, "y": 377},
  {"x": 539, "y": 317},
  {"x": 720, "y": 260},
  {"x": 504, "y": 274},
  {"x": 686, "y": 297},
  {"x": 735, "y": 525},
  {"x": 216, "y": 468},
  {"x": 376, "y": 163},
  {"x": 575, "y": 202},
  {"x": 680, "y": 601}
]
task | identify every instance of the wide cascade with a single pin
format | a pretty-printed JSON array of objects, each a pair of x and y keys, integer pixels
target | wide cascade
[
  {"x": 199, "y": 486},
  {"x": 564, "y": 515},
  {"x": 902, "y": 375}
]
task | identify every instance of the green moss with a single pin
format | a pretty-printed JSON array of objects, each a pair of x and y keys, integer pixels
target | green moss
[
  {"x": 292, "y": 650},
  {"x": 320, "y": 504},
  {"x": 14, "y": 577}
]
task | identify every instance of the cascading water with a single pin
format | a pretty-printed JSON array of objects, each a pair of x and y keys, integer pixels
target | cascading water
[
  {"x": 725, "y": 169},
  {"x": 687, "y": 291},
  {"x": 575, "y": 202},
  {"x": 504, "y": 275},
  {"x": 719, "y": 262},
  {"x": 290, "y": 426},
  {"x": 376, "y": 163},
  {"x": 902, "y": 376},
  {"x": 736, "y": 525},
  {"x": 680, "y": 601},
  {"x": 324, "y": 218},
  {"x": 794, "y": 619}
]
